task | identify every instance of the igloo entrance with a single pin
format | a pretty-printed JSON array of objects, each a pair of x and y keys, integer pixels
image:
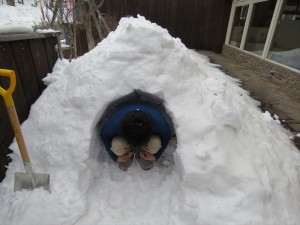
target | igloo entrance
[{"x": 97, "y": 148}]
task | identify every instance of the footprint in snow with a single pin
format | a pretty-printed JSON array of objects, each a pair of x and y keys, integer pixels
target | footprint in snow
[{"x": 115, "y": 199}]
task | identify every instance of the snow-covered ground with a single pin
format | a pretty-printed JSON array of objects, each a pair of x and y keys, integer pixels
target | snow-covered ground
[
  {"x": 234, "y": 165},
  {"x": 19, "y": 19}
]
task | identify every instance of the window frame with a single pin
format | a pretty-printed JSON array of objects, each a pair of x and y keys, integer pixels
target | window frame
[{"x": 272, "y": 29}]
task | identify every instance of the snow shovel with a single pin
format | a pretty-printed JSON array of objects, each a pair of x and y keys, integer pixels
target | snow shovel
[{"x": 28, "y": 180}]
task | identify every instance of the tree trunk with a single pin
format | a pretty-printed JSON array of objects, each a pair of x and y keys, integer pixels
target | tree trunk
[
  {"x": 74, "y": 30},
  {"x": 100, "y": 16},
  {"x": 55, "y": 11},
  {"x": 42, "y": 10},
  {"x": 10, "y": 2},
  {"x": 94, "y": 16},
  {"x": 89, "y": 35}
]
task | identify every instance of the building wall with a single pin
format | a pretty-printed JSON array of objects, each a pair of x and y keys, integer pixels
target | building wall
[
  {"x": 288, "y": 79},
  {"x": 199, "y": 24}
]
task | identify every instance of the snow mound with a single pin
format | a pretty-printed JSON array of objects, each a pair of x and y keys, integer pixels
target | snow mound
[
  {"x": 19, "y": 19},
  {"x": 16, "y": 29},
  {"x": 232, "y": 165}
]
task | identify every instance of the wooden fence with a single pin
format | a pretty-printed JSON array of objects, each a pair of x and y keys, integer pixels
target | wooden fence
[
  {"x": 32, "y": 56},
  {"x": 200, "y": 24}
]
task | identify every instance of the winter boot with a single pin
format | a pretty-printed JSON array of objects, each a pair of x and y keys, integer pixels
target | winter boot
[
  {"x": 125, "y": 165},
  {"x": 145, "y": 164}
]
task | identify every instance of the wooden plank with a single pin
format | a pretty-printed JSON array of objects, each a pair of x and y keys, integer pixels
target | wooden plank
[
  {"x": 209, "y": 23},
  {"x": 82, "y": 46},
  {"x": 197, "y": 21},
  {"x": 4, "y": 159},
  {"x": 6, "y": 137},
  {"x": 41, "y": 66},
  {"x": 30, "y": 61},
  {"x": 189, "y": 23},
  {"x": 160, "y": 13},
  {"x": 7, "y": 61},
  {"x": 52, "y": 54},
  {"x": 222, "y": 26},
  {"x": 26, "y": 72},
  {"x": 171, "y": 12},
  {"x": 5, "y": 128},
  {"x": 17, "y": 37},
  {"x": 199, "y": 24},
  {"x": 179, "y": 21},
  {"x": 6, "y": 132}
]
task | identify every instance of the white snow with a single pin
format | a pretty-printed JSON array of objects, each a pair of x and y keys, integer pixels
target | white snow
[
  {"x": 19, "y": 19},
  {"x": 233, "y": 165},
  {"x": 45, "y": 31}
]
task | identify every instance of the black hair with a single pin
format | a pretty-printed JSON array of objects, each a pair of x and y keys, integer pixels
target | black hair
[{"x": 136, "y": 128}]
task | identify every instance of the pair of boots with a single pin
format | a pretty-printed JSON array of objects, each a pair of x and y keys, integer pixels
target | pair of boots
[{"x": 145, "y": 164}]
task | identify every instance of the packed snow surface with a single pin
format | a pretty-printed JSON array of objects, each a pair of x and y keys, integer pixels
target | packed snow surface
[
  {"x": 19, "y": 19},
  {"x": 233, "y": 165}
]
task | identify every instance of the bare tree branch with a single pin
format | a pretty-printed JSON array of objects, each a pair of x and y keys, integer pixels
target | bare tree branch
[
  {"x": 55, "y": 11},
  {"x": 97, "y": 22},
  {"x": 99, "y": 14},
  {"x": 75, "y": 17}
]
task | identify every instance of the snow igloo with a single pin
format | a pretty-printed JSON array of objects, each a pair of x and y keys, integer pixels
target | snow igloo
[{"x": 233, "y": 164}]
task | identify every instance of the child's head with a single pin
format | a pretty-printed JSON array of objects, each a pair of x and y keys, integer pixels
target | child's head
[{"x": 136, "y": 128}]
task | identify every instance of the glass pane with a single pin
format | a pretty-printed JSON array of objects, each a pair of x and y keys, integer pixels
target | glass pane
[
  {"x": 238, "y": 26},
  {"x": 286, "y": 42},
  {"x": 259, "y": 26}
]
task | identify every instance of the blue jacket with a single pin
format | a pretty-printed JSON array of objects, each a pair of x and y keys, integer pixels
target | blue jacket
[{"x": 112, "y": 127}]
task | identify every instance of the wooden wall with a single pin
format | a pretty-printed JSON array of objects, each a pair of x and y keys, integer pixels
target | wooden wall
[
  {"x": 200, "y": 24},
  {"x": 32, "y": 56}
]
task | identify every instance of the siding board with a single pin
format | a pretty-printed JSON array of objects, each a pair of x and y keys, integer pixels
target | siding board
[
  {"x": 40, "y": 61},
  {"x": 199, "y": 24},
  {"x": 26, "y": 71},
  {"x": 7, "y": 61},
  {"x": 52, "y": 54},
  {"x": 32, "y": 56}
]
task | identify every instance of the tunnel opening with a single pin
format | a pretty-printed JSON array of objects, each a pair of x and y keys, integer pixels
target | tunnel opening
[{"x": 97, "y": 149}]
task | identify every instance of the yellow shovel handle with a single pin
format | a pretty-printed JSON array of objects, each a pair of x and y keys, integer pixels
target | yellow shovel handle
[
  {"x": 12, "y": 85},
  {"x": 10, "y": 106}
]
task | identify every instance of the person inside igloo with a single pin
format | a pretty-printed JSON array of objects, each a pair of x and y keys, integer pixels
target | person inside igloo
[{"x": 136, "y": 127}]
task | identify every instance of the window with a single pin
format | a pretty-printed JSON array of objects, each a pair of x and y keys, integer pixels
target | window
[
  {"x": 261, "y": 18},
  {"x": 285, "y": 48},
  {"x": 268, "y": 28},
  {"x": 238, "y": 26}
]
